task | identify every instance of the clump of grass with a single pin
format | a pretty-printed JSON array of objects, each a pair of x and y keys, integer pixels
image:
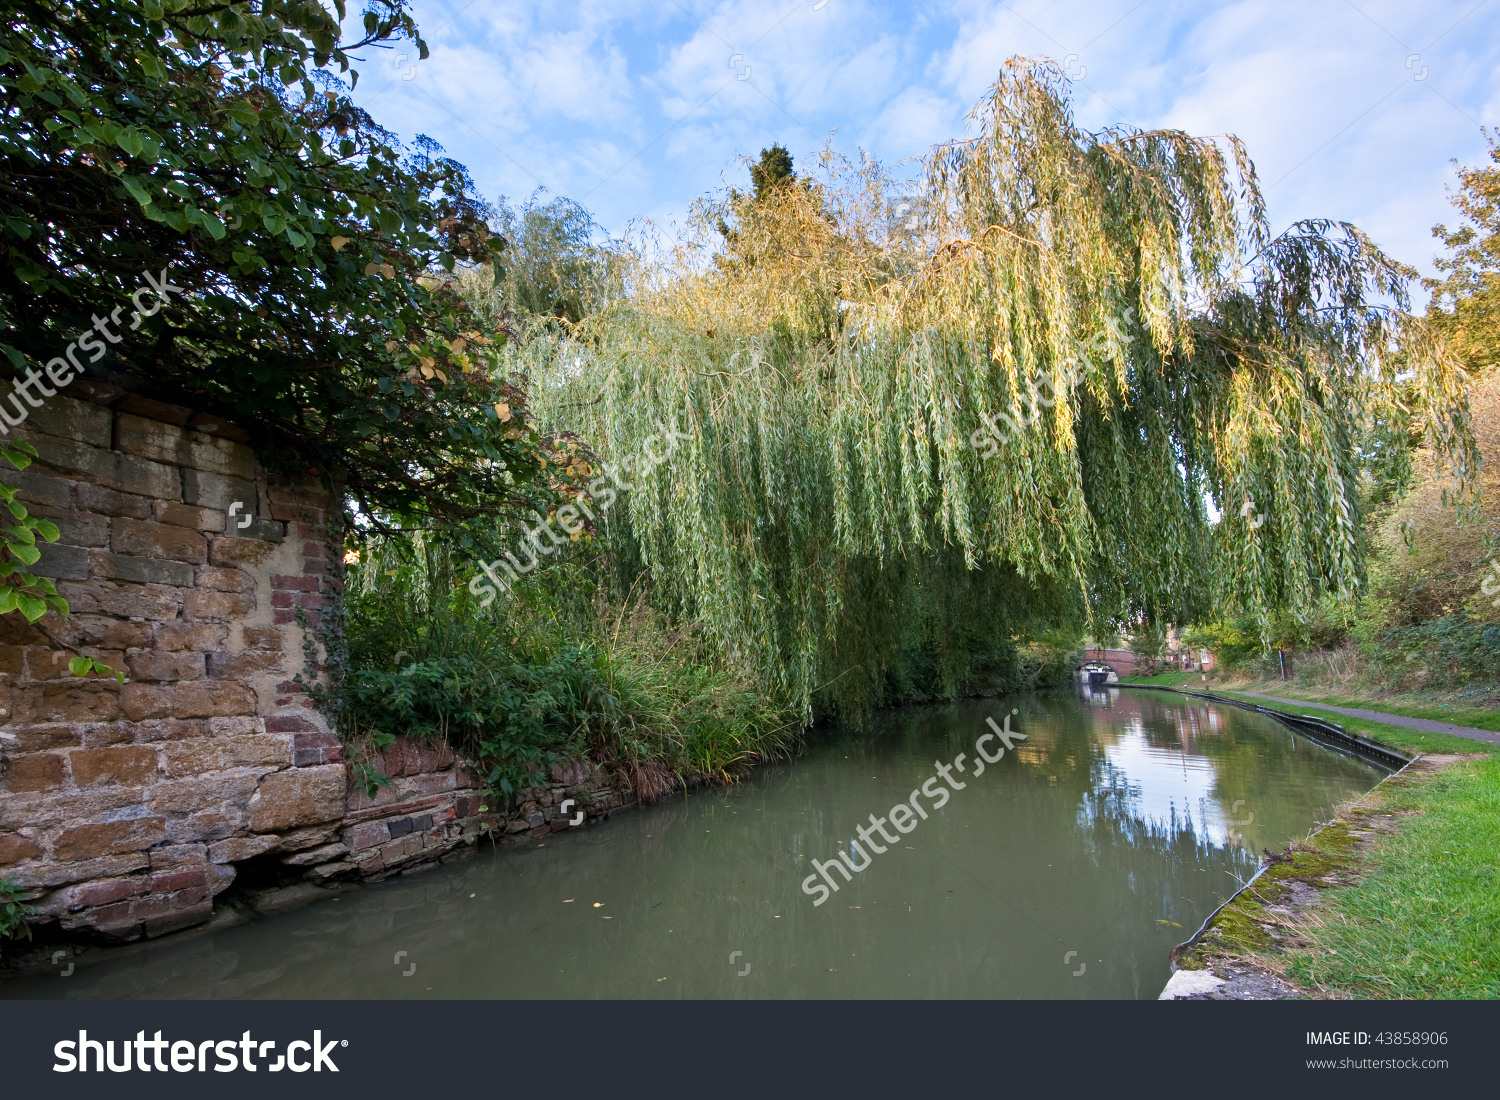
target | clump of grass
[{"x": 685, "y": 716}]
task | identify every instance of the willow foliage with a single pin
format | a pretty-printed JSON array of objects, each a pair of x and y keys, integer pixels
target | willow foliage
[{"x": 835, "y": 348}]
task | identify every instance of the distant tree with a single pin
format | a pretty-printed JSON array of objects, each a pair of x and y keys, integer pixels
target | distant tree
[
  {"x": 557, "y": 265},
  {"x": 774, "y": 167},
  {"x": 1464, "y": 311},
  {"x": 1465, "y": 304},
  {"x": 1148, "y": 641}
]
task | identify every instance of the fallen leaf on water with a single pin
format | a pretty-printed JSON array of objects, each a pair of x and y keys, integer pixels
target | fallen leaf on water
[
  {"x": 609, "y": 918},
  {"x": 471, "y": 895},
  {"x": 566, "y": 900},
  {"x": 598, "y": 905},
  {"x": 1173, "y": 923},
  {"x": 831, "y": 970}
]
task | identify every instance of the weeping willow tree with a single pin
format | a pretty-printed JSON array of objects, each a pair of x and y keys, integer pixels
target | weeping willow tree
[{"x": 1112, "y": 305}]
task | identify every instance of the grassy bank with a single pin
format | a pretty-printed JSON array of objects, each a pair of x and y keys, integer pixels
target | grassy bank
[
  {"x": 1397, "y": 898},
  {"x": 1485, "y": 718},
  {"x": 1399, "y": 895},
  {"x": 1403, "y": 740}
]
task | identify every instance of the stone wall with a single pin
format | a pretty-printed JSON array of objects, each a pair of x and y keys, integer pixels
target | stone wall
[
  {"x": 127, "y": 807},
  {"x": 434, "y": 806}
]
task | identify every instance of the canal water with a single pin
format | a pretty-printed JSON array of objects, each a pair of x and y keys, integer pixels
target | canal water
[{"x": 1067, "y": 868}]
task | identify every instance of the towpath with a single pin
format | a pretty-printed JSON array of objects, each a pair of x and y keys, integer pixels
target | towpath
[{"x": 1426, "y": 725}]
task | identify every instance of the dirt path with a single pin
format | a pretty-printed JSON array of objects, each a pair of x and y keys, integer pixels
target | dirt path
[{"x": 1426, "y": 725}]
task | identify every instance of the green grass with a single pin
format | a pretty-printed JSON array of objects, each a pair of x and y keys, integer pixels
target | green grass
[{"x": 1422, "y": 923}]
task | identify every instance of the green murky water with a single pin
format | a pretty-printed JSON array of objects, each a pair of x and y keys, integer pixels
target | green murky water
[{"x": 1066, "y": 869}]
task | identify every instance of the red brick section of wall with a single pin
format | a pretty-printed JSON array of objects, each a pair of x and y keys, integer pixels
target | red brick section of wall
[
  {"x": 127, "y": 807},
  {"x": 1123, "y": 661}
]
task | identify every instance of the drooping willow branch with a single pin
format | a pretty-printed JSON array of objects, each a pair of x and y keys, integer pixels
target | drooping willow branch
[{"x": 834, "y": 524}]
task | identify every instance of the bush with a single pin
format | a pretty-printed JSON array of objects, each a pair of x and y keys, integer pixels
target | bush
[
  {"x": 1451, "y": 651},
  {"x": 1239, "y": 645},
  {"x": 519, "y": 689}
]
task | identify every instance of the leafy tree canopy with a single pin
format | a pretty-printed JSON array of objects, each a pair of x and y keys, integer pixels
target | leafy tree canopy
[
  {"x": 774, "y": 167},
  {"x": 556, "y": 263},
  {"x": 218, "y": 143},
  {"x": 1466, "y": 302}
]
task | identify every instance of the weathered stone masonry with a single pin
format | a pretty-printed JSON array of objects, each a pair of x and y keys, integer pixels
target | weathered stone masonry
[
  {"x": 128, "y": 806},
  {"x": 434, "y": 807}
]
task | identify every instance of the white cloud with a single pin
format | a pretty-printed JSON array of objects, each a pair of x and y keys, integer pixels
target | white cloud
[
  {"x": 907, "y": 123},
  {"x": 642, "y": 96},
  {"x": 575, "y": 75}
]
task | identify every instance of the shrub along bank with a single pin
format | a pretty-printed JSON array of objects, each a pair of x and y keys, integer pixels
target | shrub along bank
[
  {"x": 518, "y": 691},
  {"x": 558, "y": 670}
]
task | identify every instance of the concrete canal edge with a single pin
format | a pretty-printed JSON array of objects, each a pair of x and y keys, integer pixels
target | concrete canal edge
[
  {"x": 1244, "y": 980},
  {"x": 1317, "y": 729},
  {"x": 1292, "y": 881}
]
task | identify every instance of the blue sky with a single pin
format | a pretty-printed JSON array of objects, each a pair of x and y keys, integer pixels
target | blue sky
[{"x": 1351, "y": 111}]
